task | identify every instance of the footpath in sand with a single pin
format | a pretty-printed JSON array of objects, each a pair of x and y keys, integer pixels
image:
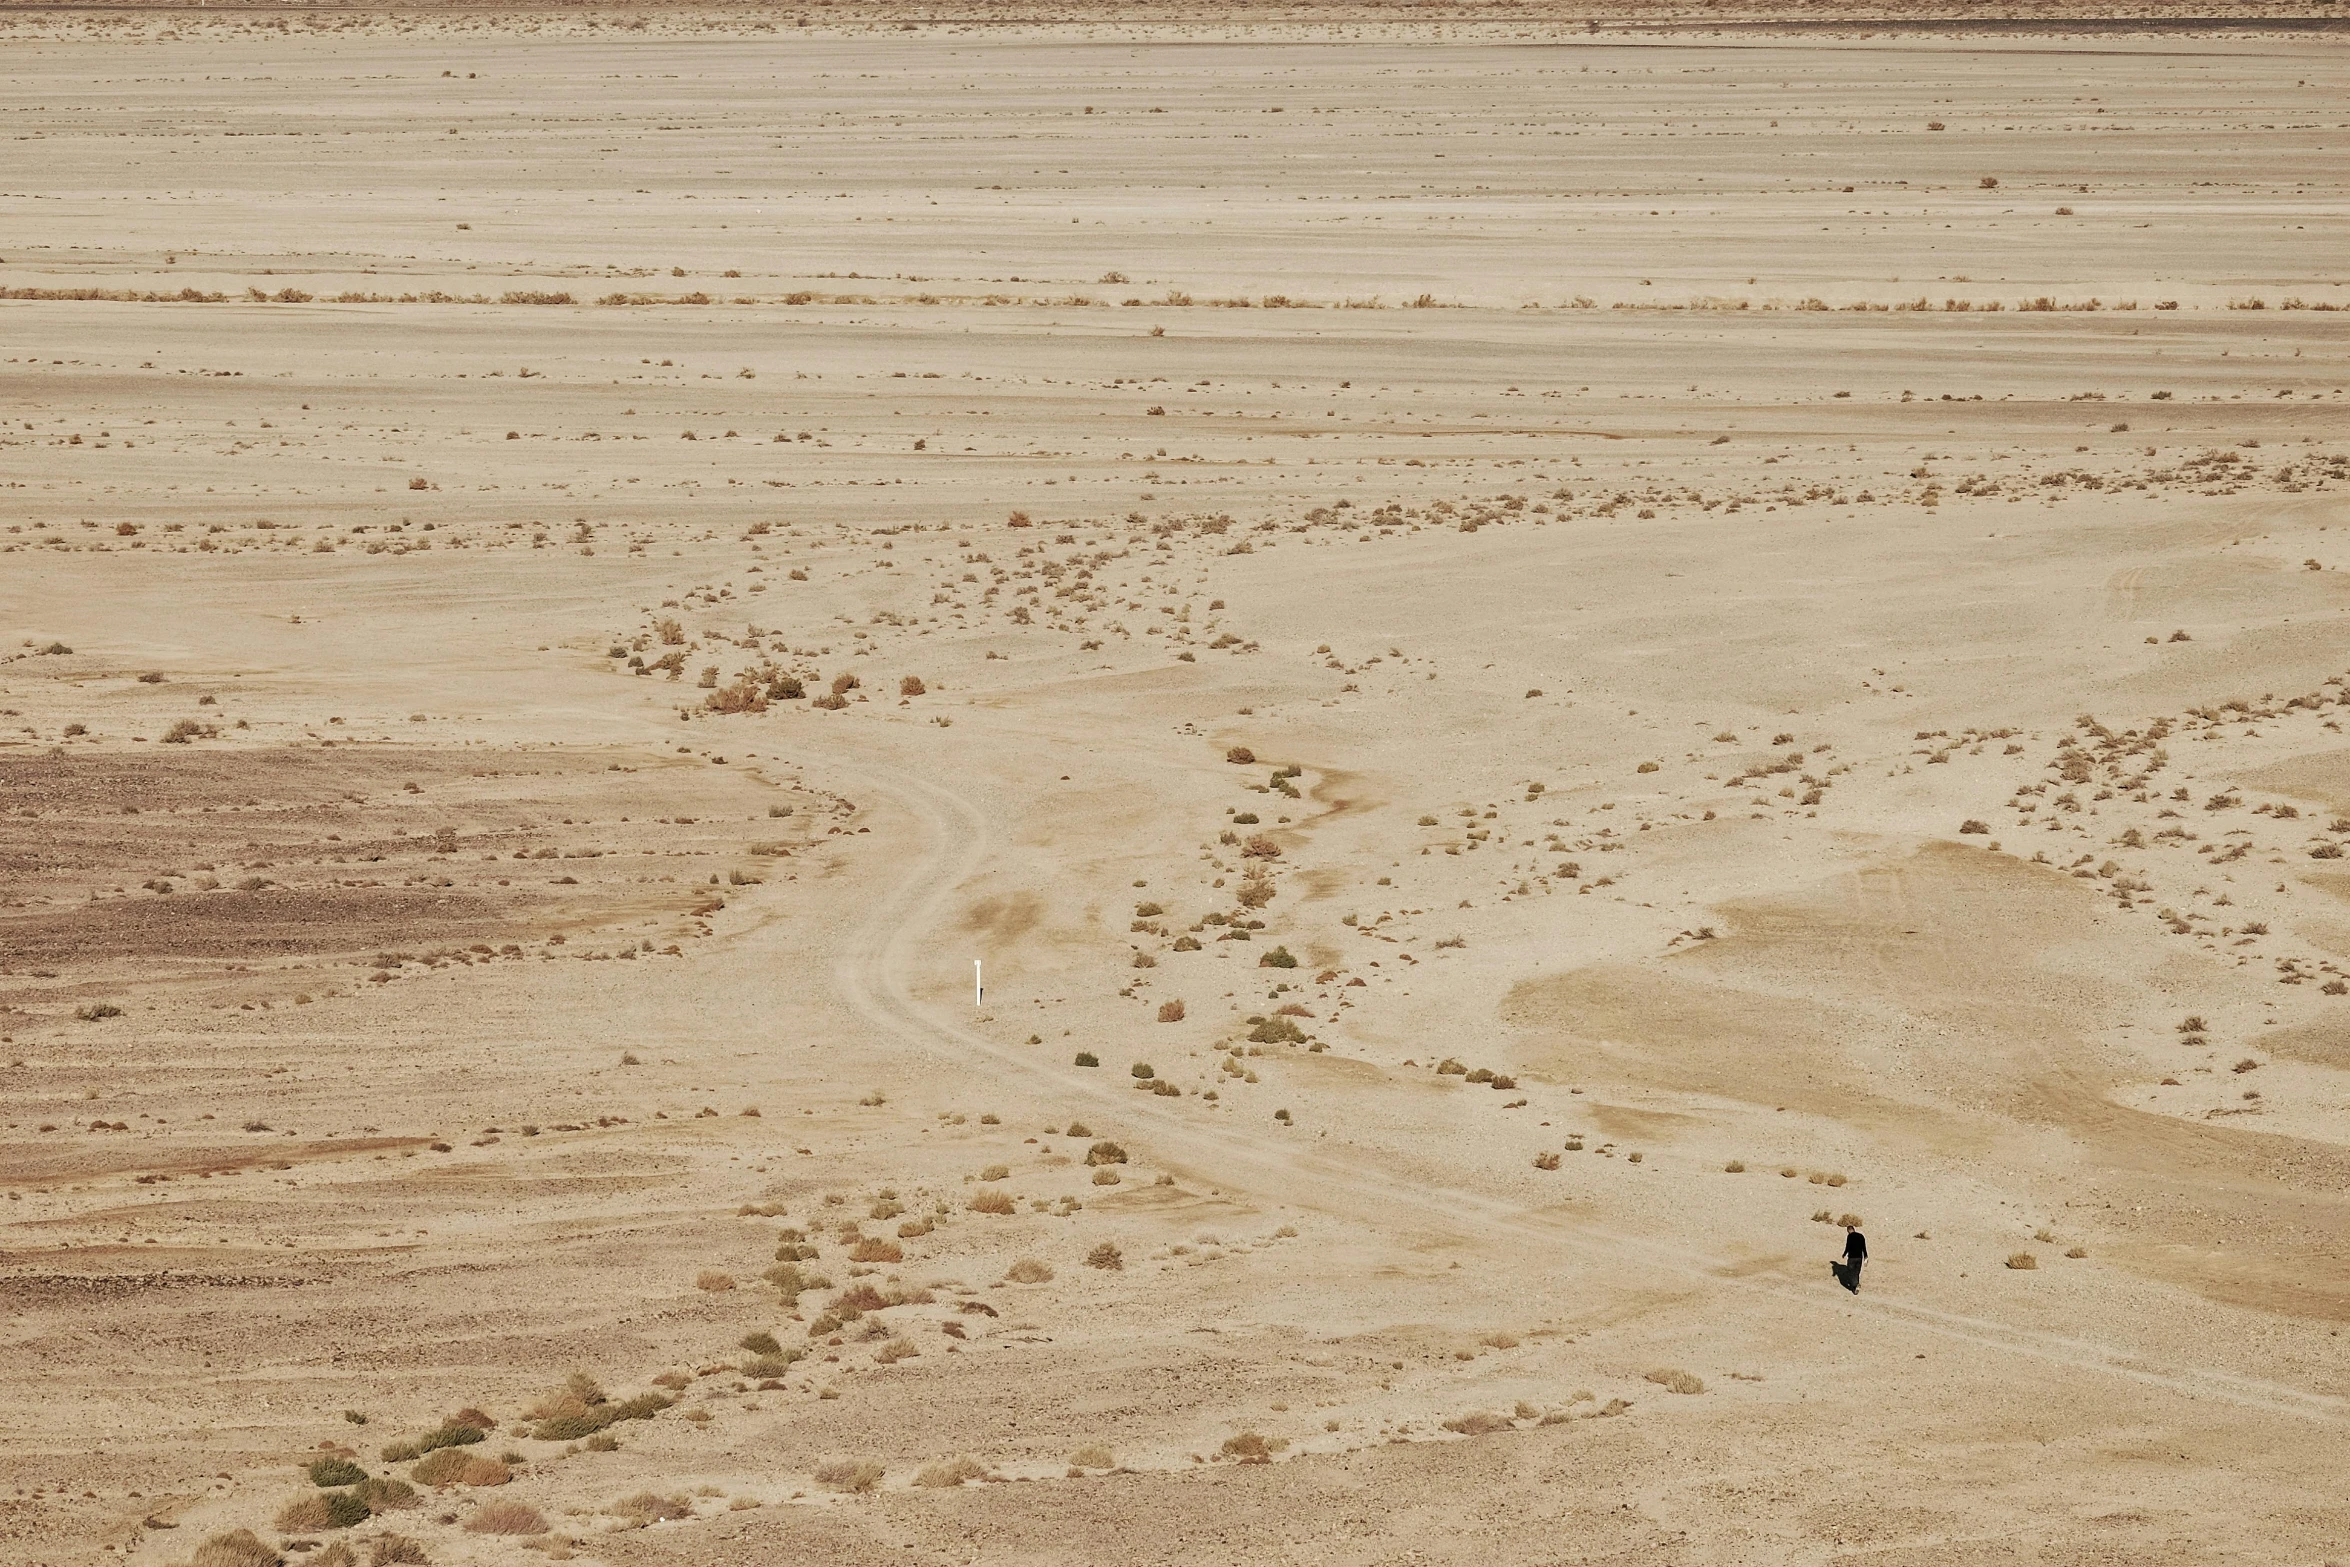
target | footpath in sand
[{"x": 1540, "y": 668}]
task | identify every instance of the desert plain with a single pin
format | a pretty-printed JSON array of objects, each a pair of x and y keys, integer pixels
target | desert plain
[{"x": 1535, "y": 659}]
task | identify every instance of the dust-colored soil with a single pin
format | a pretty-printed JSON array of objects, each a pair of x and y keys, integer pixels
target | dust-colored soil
[{"x": 1644, "y": 641}]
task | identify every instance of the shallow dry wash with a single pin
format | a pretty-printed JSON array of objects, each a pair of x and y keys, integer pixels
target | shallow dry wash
[{"x": 1544, "y": 665}]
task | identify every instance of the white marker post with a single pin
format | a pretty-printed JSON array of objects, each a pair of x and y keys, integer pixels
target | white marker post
[{"x": 978, "y": 991}]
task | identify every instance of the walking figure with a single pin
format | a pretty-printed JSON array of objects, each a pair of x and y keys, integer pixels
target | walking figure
[{"x": 1856, "y": 1252}]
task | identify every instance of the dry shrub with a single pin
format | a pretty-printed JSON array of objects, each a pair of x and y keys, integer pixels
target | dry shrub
[
  {"x": 395, "y": 1550},
  {"x": 1103, "y": 1152},
  {"x": 321, "y": 1510},
  {"x": 2023, "y": 1261},
  {"x": 383, "y": 1496},
  {"x": 1483, "y": 1422},
  {"x": 849, "y": 1474},
  {"x": 1105, "y": 1176},
  {"x": 451, "y": 1466},
  {"x": 237, "y": 1548},
  {"x": 996, "y": 1172},
  {"x": 507, "y": 1517},
  {"x": 1171, "y": 1011},
  {"x": 1673, "y": 1381},
  {"x": 858, "y": 1298},
  {"x": 875, "y": 1249},
  {"x": 895, "y": 1350},
  {"x": 652, "y": 1507},
  {"x": 912, "y": 1228},
  {"x": 745, "y": 695},
  {"x": 991, "y": 1201},
  {"x": 911, "y": 686},
  {"x": 951, "y": 1472},
  {"x": 1029, "y": 1271},
  {"x": 1249, "y": 1448},
  {"x": 1093, "y": 1458},
  {"x": 1240, "y": 756},
  {"x": 712, "y": 1279},
  {"x": 1106, "y": 1256}
]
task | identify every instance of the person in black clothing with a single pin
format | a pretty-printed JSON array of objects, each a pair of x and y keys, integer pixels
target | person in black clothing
[{"x": 1856, "y": 1252}]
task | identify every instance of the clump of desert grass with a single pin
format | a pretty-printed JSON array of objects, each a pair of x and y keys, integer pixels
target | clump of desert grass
[
  {"x": 506, "y": 1516},
  {"x": 1029, "y": 1271},
  {"x": 453, "y": 1466},
  {"x": 992, "y": 1200},
  {"x": 321, "y": 1510},
  {"x": 581, "y": 1408},
  {"x": 236, "y": 1548},
  {"x": 1251, "y": 1448},
  {"x": 462, "y": 1429},
  {"x": 948, "y": 1473},
  {"x": 652, "y": 1507},
  {"x": 852, "y": 1476},
  {"x": 1673, "y": 1380}
]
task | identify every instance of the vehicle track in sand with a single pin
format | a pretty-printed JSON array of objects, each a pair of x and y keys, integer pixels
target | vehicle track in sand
[{"x": 872, "y": 975}]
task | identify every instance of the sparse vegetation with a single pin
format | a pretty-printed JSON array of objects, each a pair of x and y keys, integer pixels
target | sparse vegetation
[
  {"x": 1482, "y": 1422},
  {"x": 852, "y": 1475},
  {"x": 321, "y": 1510},
  {"x": 1674, "y": 1381},
  {"x": 452, "y": 1466},
  {"x": 506, "y": 1516},
  {"x": 949, "y": 1472},
  {"x": 236, "y": 1548}
]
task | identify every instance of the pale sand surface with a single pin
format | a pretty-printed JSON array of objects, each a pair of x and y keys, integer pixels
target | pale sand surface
[{"x": 1847, "y": 743}]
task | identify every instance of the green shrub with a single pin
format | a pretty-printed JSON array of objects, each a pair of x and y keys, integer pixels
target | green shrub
[
  {"x": 760, "y": 1343},
  {"x": 1277, "y": 1031},
  {"x": 1142, "y": 1070},
  {"x": 336, "y": 1471},
  {"x": 1088, "y": 1058},
  {"x": 1277, "y": 958}
]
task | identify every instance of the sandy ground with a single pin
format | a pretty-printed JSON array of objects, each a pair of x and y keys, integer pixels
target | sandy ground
[{"x": 1571, "y": 711}]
